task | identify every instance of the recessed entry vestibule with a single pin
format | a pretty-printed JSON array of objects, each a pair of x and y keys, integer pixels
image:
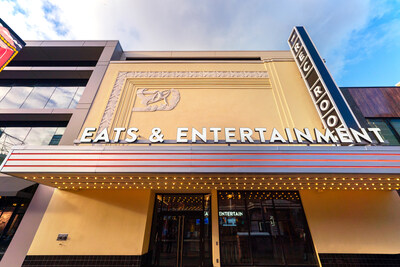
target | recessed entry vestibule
[
  {"x": 255, "y": 228},
  {"x": 181, "y": 231}
]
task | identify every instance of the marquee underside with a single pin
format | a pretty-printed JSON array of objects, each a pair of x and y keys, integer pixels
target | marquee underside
[{"x": 205, "y": 167}]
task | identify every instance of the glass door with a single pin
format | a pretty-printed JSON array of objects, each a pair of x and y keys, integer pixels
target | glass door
[
  {"x": 180, "y": 240},
  {"x": 192, "y": 240},
  {"x": 181, "y": 234},
  {"x": 167, "y": 240}
]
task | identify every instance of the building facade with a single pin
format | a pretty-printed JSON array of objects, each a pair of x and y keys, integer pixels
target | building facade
[{"x": 210, "y": 158}]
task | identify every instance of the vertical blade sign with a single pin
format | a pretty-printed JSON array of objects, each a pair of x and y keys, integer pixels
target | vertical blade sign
[{"x": 329, "y": 101}]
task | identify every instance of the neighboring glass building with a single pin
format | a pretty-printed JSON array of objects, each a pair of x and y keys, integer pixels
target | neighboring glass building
[
  {"x": 132, "y": 158},
  {"x": 38, "y": 97},
  {"x": 36, "y": 106}
]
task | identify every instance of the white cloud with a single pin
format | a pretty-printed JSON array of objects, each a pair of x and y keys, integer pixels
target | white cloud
[
  {"x": 28, "y": 19},
  {"x": 197, "y": 25}
]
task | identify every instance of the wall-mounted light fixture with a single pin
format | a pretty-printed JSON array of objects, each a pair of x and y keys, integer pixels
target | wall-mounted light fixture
[{"x": 62, "y": 237}]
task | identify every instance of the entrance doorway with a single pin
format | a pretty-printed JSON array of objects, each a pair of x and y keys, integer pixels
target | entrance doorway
[
  {"x": 181, "y": 232},
  {"x": 264, "y": 228}
]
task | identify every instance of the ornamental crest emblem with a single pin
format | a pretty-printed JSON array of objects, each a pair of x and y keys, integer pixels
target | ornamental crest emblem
[{"x": 156, "y": 100}]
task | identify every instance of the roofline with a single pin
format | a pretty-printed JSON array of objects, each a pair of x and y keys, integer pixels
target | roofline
[
  {"x": 210, "y": 54},
  {"x": 71, "y": 43}
]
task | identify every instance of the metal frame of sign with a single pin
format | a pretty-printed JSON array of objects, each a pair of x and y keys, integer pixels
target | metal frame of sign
[{"x": 339, "y": 104}]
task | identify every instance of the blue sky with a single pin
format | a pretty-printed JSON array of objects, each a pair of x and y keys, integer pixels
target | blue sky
[{"x": 359, "y": 39}]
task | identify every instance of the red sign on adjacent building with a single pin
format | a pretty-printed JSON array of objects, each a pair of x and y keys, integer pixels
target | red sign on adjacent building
[{"x": 10, "y": 44}]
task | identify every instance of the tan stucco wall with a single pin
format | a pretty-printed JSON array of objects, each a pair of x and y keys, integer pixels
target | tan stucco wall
[
  {"x": 280, "y": 101},
  {"x": 353, "y": 222},
  {"x": 98, "y": 222}
]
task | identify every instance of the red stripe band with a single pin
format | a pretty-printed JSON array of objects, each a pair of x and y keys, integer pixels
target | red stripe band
[
  {"x": 349, "y": 160},
  {"x": 194, "y": 166},
  {"x": 217, "y": 153}
]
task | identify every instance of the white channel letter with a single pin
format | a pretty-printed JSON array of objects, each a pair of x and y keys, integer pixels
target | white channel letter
[
  {"x": 364, "y": 135},
  {"x": 344, "y": 135},
  {"x": 180, "y": 133},
  {"x": 306, "y": 135},
  {"x": 118, "y": 132},
  {"x": 377, "y": 134},
  {"x": 202, "y": 136},
  {"x": 246, "y": 133},
  {"x": 306, "y": 66},
  {"x": 317, "y": 91},
  {"x": 229, "y": 134},
  {"x": 324, "y": 138},
  {"x": 297, "y": 46},
  {"x": 215, "y": 131},
  {"x": 289, "y": 135},
  {"x": 293, "y": 37},
  {"x": 132, "y": 135},
  {"x": 87, "y": 133},
  {"x": 302, "y": 56},
  {"x": 261, "y": 132},
  {"x": 332, "y": 120},
  {"x": 103, "y": 136},
  {"x": 276, "y": 136},
  {"x": 324, "y": 105}
]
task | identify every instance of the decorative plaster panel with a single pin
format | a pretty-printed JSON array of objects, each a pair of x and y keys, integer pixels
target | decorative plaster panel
[{"x": 123, "y": 76}]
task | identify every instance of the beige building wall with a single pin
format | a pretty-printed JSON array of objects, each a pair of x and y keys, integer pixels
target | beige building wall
[
  {"x": 353, "y": 222},
  {"x": 278, "y": 101},
  {"x": 98, "y": 222}
]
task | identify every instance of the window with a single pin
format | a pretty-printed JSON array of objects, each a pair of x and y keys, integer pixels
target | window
[
  {"x": 39, "y": 97},
  {"x": 13, "y": 136},
  {"x": 390, "y": 129},
  {"x": 15, "y": 97},
  {"x": 264, "y": 228}
]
